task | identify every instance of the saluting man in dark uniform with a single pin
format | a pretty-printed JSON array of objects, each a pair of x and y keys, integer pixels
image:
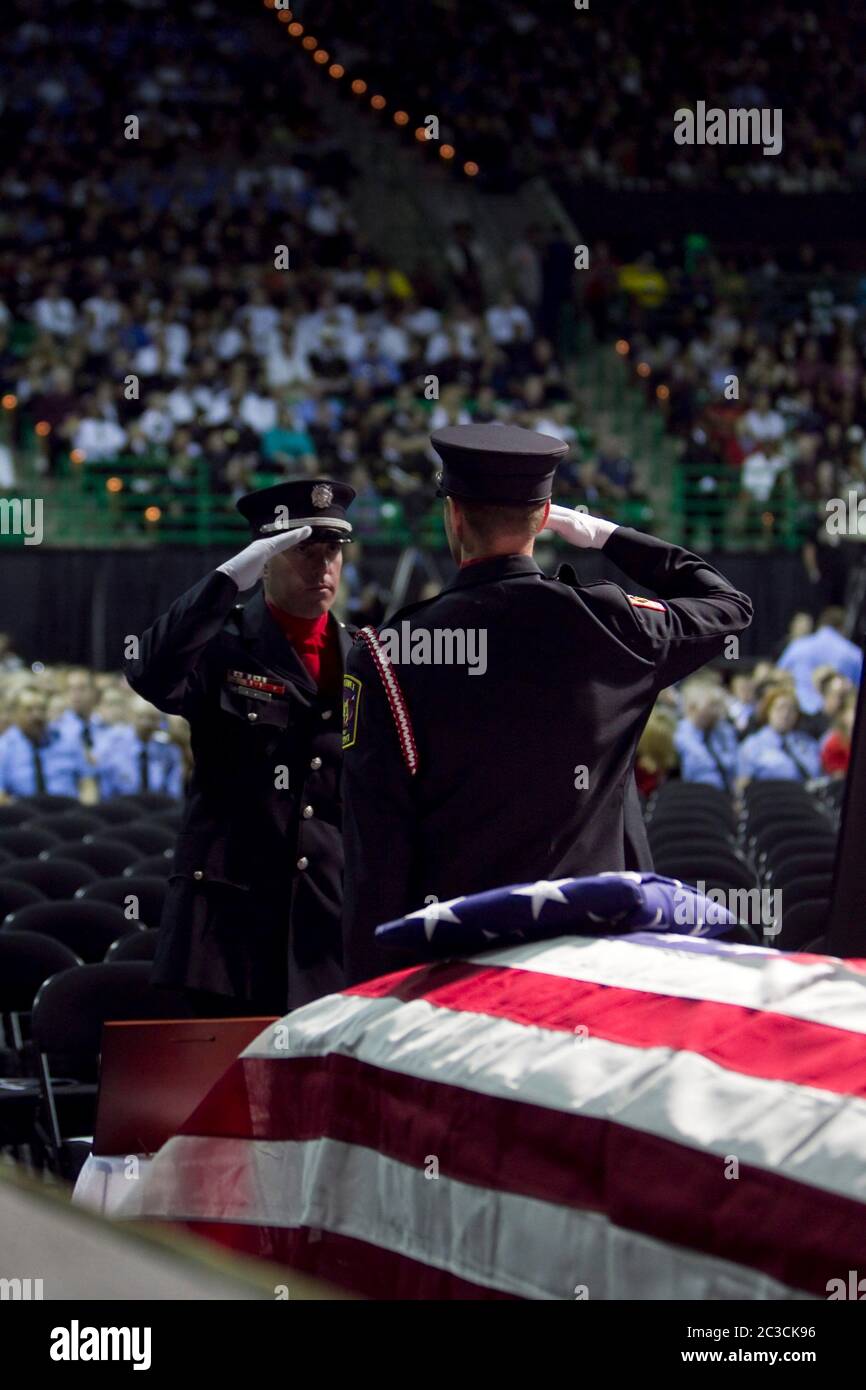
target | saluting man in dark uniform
[
  {"x": 252, "y": 918},
  {"x": 457, "y": 777}
]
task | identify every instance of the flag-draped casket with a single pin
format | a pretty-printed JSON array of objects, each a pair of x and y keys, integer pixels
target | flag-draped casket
[{"x": 636, "y": 1116}]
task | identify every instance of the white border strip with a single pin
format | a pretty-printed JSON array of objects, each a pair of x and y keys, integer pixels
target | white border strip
[{"x": 520, "y": 1245}]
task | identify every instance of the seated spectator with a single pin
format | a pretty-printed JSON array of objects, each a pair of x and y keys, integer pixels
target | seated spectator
[
  {"x": 741, "y": 701},
  {"x": 762, "y": 427},
  {"x": 140, "y": 756},
  {"x": 9, "y": 659},
  {"x": 286, "y": 446},
  {"x": 79, "y": 720},
  {"x": 111, "y": 710},
  {"x": 778, "y": 750},
  {"x": 35, "y": 758},
  {"x": 833, "y": 690},
  {"x": 826, "y": 646},
  {"x": 704, "y": 739},
  {"x": 836, "y": 744},
  {"x": 801, "y": 624},
  {"x": 616, "y": 467},
  {"x": 656, "y": 755}
]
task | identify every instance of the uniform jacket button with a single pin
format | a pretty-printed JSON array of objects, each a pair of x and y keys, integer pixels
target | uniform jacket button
[
  {"x": 303, "y": 862},
  {"x": 308, "y": 811},
  {"x": 315, "y": 764},
  {"x": 198, "y": 874},
  {"x": 326, "y": 713},
  {"x": 252, "y": 716}
]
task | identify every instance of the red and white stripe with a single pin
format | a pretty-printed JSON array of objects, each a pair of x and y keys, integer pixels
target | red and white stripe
[{"x": 587, "y": 1104}]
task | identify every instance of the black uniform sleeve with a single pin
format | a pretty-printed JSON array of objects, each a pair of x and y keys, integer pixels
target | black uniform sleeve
[
  {"x": 377, "y": 819},
  {"x": 169, "y": 663},
  {"x": 699, "y": 609}
]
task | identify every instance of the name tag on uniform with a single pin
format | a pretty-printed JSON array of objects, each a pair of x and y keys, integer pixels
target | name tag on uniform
[
  {"x": 638, "y": 601},
  {"x": 256, "y": 687}
]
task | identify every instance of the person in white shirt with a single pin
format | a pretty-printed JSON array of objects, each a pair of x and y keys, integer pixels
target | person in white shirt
[
  {"x": 760, "y": 471},
  {"x": 54, "y": 313},
  {"x": 394, "y": 339},
  {"x": 97, "y": 437},
  {"x": 762, "y": 425},
  {"x": 155, "y": 422},
  {"x": 285, "y": 363},
  {"x": 502, "y": 320},
  {"x": 261, "y": 320},
  {"x": 230, "y": 343},
  {"x": 103, "y": 312},
  {"x": 258, "y": 411}
]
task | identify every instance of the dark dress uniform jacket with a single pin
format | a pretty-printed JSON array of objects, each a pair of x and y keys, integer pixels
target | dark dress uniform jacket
[
  {"x": 256, "y": 891},
  {"x": 500, "y": 794}
]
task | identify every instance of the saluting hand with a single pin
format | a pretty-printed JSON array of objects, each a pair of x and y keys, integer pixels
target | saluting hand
[
  {"x": 579, "y": 528},
  {"x": 247, "y": 566}
]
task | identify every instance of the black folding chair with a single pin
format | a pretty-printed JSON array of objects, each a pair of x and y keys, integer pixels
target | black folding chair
[
  {"x": 145, "y": 893},
  {"x": 44, "y": 803},
  {"x": 68, "y": 1016},
  {"x": 149, "y": 836},
  {"x": 780, "y": 789},
  {"x": 14, "y": 895},
  {"x": 68, "y": 825},
  {"x": 801, "y": 864},
  {"x": 767, "y": 833},
  {"x": 802, "y": 922},
  {"x": 149, "y": 802},
  {"x": 87, "y": 928},
  {"x": 107, "y": 857},
  {"x": 697, "y": 846},
  {"x": 720, "y": 871},
  {"x": 140, "y": 945},
  {"x": 806, "y": 889},
  {"x": 25, "y": 843},
  {"x": 13, "y": 813},
  {"x": 115, "y": 811},
  {"x": 153, "y": 865},
  {"x": 56, "y": 878},
  {"x": 26, "y": 962}
]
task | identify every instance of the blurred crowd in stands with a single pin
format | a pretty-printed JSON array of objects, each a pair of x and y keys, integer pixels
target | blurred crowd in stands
[
  {"x": 785, "y": 719},
  {"x": 75, "y": 732},
  {"x": 757, "y": 364},
  {"x": 143, "y": 314},
  {"x": 589, "y": 94},
  {"x": 85, "y": 734}
]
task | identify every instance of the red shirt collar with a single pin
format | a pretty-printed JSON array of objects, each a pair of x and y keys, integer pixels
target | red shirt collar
[{"x": 301, "y": 632}]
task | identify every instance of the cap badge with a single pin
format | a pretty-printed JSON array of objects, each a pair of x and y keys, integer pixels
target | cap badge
[{"x": 322, "y": 495}]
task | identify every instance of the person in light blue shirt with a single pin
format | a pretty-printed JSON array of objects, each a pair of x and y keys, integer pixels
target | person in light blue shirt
[
  {"x": 35, "y": 758},
  {"x": 78, "y": 720},
  {"x": 779, "y": 750},
  {"x": 826, "y": 646},
  {"x": 704, "y": 739},
  {"x": 139, "y": 757}
]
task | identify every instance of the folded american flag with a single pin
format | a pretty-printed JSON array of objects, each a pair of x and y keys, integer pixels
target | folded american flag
[
  {"x": 643, "y": 1116},
  {"x": 601, "y": 903}
]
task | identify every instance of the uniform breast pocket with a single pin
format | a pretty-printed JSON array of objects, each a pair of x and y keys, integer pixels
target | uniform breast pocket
[{"x": 254, "y": 711}]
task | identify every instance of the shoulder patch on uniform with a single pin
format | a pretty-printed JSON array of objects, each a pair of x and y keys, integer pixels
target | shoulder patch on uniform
[
  {"x": 638, "y": 601},
  {"x": 351, "y": 702}
]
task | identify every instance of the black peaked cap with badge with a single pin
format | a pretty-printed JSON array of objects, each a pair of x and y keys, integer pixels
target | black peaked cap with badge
[
  {"x": 316, "y": 502},
  {"x": 499, "y": 464}
]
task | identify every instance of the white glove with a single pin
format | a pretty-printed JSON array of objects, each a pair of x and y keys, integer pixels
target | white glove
[
  {"x": 247, "y": 566},
  {"x": 579, "y": 528}
]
